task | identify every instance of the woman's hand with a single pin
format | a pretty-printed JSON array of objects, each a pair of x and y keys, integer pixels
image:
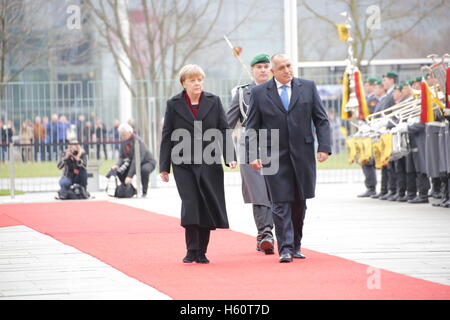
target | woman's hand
[
  {"x": 164, "y": 176},
  {"x": 322, "y": 156}
]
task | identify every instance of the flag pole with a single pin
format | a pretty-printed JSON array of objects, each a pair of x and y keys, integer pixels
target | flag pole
[{"x": 236, "y": 54}]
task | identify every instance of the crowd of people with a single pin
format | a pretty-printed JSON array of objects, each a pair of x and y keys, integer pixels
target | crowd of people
[{"x": 45, "y": 138}]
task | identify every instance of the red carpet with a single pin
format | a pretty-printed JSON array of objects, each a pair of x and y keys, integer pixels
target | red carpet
[{"x": 149, "y": 247}]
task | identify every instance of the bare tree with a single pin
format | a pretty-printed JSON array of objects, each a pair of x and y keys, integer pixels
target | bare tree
[
  {"x": 163, "y": 36},
  {"x": 28, "y": 38},
  {"x": 397, "y": 22}
]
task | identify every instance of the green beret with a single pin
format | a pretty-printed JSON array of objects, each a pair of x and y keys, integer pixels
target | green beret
[
  {"x": 372, "y": 80},
  {"x": 379, "y": 82},
  {"x": 260, "y": 58},
  {"x": 410, "y": 82},
  {"x": 390, "y": 75},
  {"x": 419, "y": 79}
]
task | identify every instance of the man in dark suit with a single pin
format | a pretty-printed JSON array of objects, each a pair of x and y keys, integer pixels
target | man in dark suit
[{"x": 290, "y": 106}]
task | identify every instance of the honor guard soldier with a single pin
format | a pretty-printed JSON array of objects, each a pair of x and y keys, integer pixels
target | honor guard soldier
[{"x": 254, "y": 188}]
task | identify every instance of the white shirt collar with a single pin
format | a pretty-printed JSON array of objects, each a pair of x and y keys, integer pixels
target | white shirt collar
[{"x": 279, "y": 84}]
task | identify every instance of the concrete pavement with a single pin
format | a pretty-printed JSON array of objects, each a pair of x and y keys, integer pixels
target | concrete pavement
[{"x": 400, "y": 237}]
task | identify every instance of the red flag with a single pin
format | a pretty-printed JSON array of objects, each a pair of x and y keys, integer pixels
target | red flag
[
  {"x": 426, "y": 114},
  {"x": 447, "y": 89},
  {"x": 359, "y": 90}
]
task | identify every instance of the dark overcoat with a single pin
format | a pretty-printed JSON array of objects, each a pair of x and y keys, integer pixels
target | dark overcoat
[
  {"x": 200, "y": 185},
  {"x": 297, "y": 161}
]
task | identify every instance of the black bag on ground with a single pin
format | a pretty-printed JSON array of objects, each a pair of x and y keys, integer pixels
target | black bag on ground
[
  {"x": 75, "y": 191},
  {"x": 121, "y": 190},
  {"x": 125, "y": 191}
]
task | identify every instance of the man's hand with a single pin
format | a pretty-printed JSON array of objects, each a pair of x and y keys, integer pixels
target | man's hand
[
  {"x": 322, "y": 156},
  {"x": 164, "y": 176},
  {"x": 233, "y": 164},
  {"x": 128, "y": 180},
  {"x": 115, "y": 167},
  {"x": 256, "y": 164}
]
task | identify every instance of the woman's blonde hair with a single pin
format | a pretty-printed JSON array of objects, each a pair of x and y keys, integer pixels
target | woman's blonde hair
[
  {"x": 190, "y": 70},
  {"x": 77, "y": 146}
]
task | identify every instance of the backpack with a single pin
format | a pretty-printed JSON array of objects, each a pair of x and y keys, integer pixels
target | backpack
[{"x": 75, "y": 191}]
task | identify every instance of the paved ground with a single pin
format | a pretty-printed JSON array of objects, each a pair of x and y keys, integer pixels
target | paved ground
[{"x": 405, "y": 238}]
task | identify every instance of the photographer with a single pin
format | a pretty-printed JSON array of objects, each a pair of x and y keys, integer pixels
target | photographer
[
  {"x": 73, "y": 162},
  {"x": 125, "y": 168}
]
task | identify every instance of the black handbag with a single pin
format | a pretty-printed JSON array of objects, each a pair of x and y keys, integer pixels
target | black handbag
[{"x": 125, "y": 191}]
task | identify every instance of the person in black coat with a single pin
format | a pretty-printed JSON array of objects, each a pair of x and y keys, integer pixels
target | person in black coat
[
  {"x": 73, "y": 163},
  {"x": 289, "y": 106},
  {"x": 190, "y": 117},
  {"x": 125, "y": 167}
]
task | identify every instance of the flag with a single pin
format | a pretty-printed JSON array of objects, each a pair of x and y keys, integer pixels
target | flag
[
  {"x": 426, "y": 114},
  {"x": 359, "y": 90},
  {"x": 343, "y": 32},
  {"x": 447, "y": 89},
  {"x": 237, "y": 51},
  {"x": 345, "y": 96}
]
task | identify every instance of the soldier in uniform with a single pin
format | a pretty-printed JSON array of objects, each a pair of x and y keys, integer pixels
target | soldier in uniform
[
  {"x": 389, "y": 81},
  {"x": 254, "y": 188},
  {"x": 368, "y": 168}
]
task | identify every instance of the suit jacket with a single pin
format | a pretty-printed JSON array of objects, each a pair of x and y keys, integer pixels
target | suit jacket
[{"x": 297, "y": 162}]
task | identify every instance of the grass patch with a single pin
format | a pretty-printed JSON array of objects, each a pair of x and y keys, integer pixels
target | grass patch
[
  {"x": 43, "y": 169},
  {"x": 49, "y": 169},
  {"x": 8, "y": 192},
  {"x": 337, "y": 161}
]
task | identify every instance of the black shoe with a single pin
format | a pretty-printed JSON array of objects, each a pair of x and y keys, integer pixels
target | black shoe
[
  {"x": 378, "y": 195},
  {"x": 191, "y": 256},
  {"x": 285, "y": 257},
  {"x": 436, "y": 195},
  {"x": 441, "y": 203},
  {"x": 144, "y": 195},
  {"x": 266, "y": 245},
  {"x": 298, "y": 255},
  {"x": 405, "y": 198},
  {"x": 202, "y": 259},
  {"x": 367, "y": 194},
  {"x": 393, "y": 197},
  {"x": 387, "y": 195},
  {"x": 419, "y": 199},
  {"x": 446, "y": 204}
]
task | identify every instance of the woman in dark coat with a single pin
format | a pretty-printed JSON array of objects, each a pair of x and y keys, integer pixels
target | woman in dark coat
[{"x": 189, "y": 116}]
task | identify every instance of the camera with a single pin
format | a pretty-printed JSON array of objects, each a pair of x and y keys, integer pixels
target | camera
[
  {"x": 74, "y": 152},
  {"x": 122, "y": 169}
]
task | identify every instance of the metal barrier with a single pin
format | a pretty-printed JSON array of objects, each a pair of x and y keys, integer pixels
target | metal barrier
[{"x": 37, "y": 119}]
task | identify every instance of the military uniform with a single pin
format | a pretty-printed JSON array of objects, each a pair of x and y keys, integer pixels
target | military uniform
[
  {"x": 254, "y": 189},
  {"x": 370, "y": 176}
]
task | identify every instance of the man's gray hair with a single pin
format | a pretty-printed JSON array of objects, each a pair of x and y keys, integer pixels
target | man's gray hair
[{"x": 125, "y": 127}]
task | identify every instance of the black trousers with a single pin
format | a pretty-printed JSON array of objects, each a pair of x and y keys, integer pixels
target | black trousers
[
  {"x": 288, "y": 218},
  {"x": 423, "y": 184},
  {"x": 370, "y": 175},
  {"x": 400, "y": 172},
  {"x": 197, "y": 238}
]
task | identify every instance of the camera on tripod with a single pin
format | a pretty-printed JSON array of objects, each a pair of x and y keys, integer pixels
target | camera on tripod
[{"x": 120, "y": 170}]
